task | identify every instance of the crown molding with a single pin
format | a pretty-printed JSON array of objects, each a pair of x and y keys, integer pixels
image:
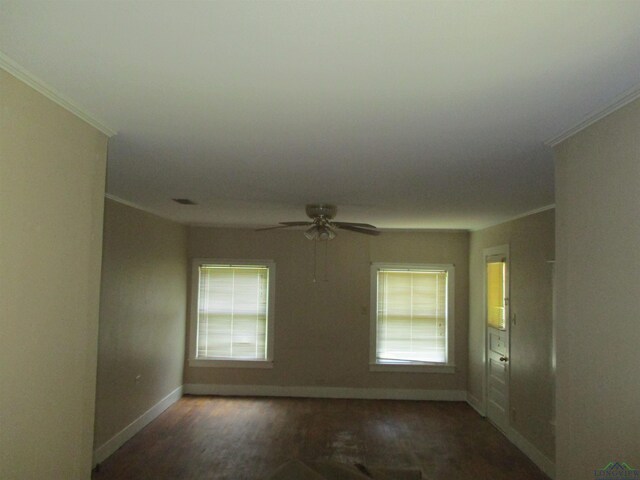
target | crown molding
[
  {"x": 517, "y": 217},
  {"x": 37, "y": 84},
  {"x": 138, "y": 207},
  {"x": 617, "y": 103}
]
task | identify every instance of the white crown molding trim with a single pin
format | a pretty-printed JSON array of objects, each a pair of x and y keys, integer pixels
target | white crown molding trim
[
  {"x": 299, "y": 229},
  {"x": 103, "y": 452},
  {"x": 543, "y": 462},
  {"x": 424, "y": 230},
  {"x": 324, "y": 392},
  {"x": 517, "y": 217},
  {"x": 138, "y": 207},
  {"x": 617, "y": 103},
  {"x": 37, "y": 84}
]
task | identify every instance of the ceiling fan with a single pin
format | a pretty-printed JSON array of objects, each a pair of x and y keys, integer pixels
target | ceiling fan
[{"x": 322, "y": 226}]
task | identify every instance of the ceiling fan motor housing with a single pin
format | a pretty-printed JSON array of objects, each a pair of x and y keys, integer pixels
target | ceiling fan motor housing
[{"x": 322, "y": 210}]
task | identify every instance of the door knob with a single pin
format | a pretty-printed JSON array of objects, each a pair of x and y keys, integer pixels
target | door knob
[{"x": 503, "y": 359}]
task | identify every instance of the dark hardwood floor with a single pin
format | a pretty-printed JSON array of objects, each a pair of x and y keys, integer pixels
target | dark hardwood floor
[{"x": 247, "y": 438}]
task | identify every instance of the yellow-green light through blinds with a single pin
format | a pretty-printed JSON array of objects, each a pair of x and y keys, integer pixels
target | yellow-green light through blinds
[{"x": 496, "y": 294}]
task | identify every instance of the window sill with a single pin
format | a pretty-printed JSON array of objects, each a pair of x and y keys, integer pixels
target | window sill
[
  {"x": 412, "y": 367},
  {"x": 230, "y": 363}
]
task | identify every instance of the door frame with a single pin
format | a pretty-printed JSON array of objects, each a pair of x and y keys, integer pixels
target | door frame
[{"x": 502, "y": 250}]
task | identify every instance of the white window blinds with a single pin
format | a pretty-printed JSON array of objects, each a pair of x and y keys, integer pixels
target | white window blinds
[
  {"x": 496, "y": 294},
  {"x": 411, "y": 316},
  {"x": 232, "y": 312}
]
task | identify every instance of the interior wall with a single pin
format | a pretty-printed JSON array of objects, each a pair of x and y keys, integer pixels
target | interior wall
[
  {"x": 598, "y": 333},
  {"x": 531, "y": 246},
  {"x": 142, "y": 316},
  {"x": 322, "y": 328},
  {"x": 52, "y": 172}
]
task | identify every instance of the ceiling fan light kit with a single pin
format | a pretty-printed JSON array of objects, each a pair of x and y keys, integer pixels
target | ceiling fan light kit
[
  {"x": 317, "y": 232},
  {"x": 321, "y": 226}
]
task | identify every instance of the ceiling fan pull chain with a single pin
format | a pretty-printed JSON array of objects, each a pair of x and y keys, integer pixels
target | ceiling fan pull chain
[
  {"x": 315, "y": 259},
  {"x": 326, "y": 250}
]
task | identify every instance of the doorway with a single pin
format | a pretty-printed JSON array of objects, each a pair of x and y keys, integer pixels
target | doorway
[{"x": 496, "y": 313}]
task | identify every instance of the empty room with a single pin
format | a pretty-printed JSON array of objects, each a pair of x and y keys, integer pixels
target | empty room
[{"x": 246, "y": 240}]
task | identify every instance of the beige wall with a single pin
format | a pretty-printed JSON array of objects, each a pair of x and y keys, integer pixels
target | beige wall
[
  {"x": 52, "y": 167},
  {"x": 598, "y": 337},
  {"x": 322, "y": 329},
  {"x": 531, "y": 245},
  {"x": 142, "y": 316}
]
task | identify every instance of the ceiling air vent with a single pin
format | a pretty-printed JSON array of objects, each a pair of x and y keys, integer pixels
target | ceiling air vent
[{"x": 184, "y": 201}]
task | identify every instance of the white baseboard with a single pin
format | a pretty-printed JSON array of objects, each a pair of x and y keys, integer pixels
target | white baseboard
[
  {"x": 476, "y": 404},
  {"x": 325, "y": 392},
  {"x": 103, "y": 452},
  {"x": 536, "y": 456}
]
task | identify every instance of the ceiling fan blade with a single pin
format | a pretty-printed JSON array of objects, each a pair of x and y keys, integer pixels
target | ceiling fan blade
[
  {"x": 271, "y": 228},
  {"x": 358, "y": 229},
  {"x": 285, "y": 225},
  {"x": 362, "y": 225}
]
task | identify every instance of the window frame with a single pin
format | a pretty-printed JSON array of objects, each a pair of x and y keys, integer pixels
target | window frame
[
  {"x": 427, "y": 367},
  {"x": 194, "y": 285}
]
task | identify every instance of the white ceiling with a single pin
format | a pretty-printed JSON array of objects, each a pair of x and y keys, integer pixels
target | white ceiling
[{"x": 404, "y": 114}]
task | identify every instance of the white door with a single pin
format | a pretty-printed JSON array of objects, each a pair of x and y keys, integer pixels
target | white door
[{"x": 497, "y": 324}]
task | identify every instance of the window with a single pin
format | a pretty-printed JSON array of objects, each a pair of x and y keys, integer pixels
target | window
[
  {"x": 412, "y": 317},
  {"x": 496, "y": 291},
  {"x": 232, "y": 313}
]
